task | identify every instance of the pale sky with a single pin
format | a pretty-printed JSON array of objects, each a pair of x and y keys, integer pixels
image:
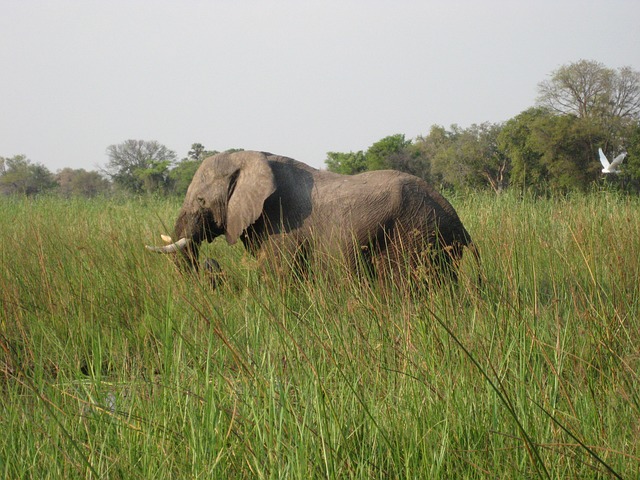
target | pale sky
[{"x": 296, "y": 78}]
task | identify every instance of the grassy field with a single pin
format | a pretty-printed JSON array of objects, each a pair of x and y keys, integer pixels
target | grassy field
[{"x": 114, "y": 366}]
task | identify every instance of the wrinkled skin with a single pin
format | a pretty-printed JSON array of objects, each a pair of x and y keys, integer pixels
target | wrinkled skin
[{"x": 275, "y": 205}]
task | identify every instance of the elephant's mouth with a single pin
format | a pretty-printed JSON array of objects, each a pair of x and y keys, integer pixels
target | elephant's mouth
[{"x": 202, "y": 227}]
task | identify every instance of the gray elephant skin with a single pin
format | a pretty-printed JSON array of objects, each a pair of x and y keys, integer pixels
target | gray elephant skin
[{"x": 386, "y": 220}]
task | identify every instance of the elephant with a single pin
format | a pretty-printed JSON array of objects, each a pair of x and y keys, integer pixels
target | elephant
[{"x": 385, "y": 220}]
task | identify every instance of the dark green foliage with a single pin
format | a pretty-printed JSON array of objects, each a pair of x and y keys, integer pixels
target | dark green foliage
[
  {"x": 392, "y": 152},
  {"x": 536, "y": 150},
  {"x": 387, "y": 153},
  {"x": 632, "y": 166},
  {"x": 551, "y": 151},
  {"x": 346, "y": 163},
  {"x": 469, "y": 158},
  {"x": 72, "y": 182},
  {"x": 140, "y": 166},
  {"x": 180, "y": 176},
  {"x": 19, "y": 175},
  {"x": 553, "y": 147},
  {"x": 567, "y": 146},
  {"x": 515, "y": 141}
]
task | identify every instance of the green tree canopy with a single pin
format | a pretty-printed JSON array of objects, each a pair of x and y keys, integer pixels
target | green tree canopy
[
  {"x": 568, "y": 151},
  {"x": 387, "y": 152},
  {"x": 198, "y": 152},
  {"x": 466, "y": 157},
  {"x": 140, "y": 166},
  {"x": 556, "y": 151},
  {"x": 346, "y": 163},
  {"x": 515, "y": 142},
  {"x": 180, "y": 176},
  {"x": 18, "y": 175},
  {"x": 79, "y": 182},
  {"x": 630, "y": 169},
  {"x": 588, "y": 90}
]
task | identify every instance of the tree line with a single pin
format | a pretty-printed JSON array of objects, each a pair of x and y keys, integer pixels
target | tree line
[
  {"x": 134, "y": 167},
  {"x": 551, "y": 146}
]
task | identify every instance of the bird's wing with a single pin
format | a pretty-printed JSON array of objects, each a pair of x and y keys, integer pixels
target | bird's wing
[
  {"x": 603, "y": 158},
  {"x": 618, "y": 159}
]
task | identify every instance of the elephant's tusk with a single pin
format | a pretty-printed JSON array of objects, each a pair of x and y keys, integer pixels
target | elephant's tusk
[
  {"x": 174, "y": 247},
  {"x": 166, "y": 238}
]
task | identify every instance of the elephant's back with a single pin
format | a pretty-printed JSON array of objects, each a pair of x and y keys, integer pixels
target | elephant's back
[
  {"x": 412, "y": 191},
  {"x": 422, "y": 204}
]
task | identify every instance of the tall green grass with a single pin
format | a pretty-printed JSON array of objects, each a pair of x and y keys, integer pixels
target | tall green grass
[{"x": 112, "y": 364}]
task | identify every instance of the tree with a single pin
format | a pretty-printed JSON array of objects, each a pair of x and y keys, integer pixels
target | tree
[
  {"x": 386, "y": 152},
  {"x": 72, "y": 183},
  {"x": 566, "y": 147},
  {"x": 198, "y": 152},
  {"x": 589, "y": 89},
  {"x": 478, "y": 148},
  {"x": 180, "y": 176},
  {"x": 412, "y": 159},
  {"x": 579, "y": 89},
  {"x": 625, "y": 94},
  {"x": 140, "y": 166},
  {"x": 604, "y": 108},
  {"x": 551, "y": 151},
  {"x": 155, "y": 178},
  {"x": 630, "y": 169},
  {"x": 346, "y": 163},
  {"x": 429, "y": 147},
  {"x": 514, "y": 141},
  {"x": 463, "y": 158},
  {"x": 18, "y": 175},
  {"x": 389, "y": 152},
  {"x": 89, "y": 183}
]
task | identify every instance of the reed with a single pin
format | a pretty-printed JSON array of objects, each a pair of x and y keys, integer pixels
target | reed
[{"x": 112, "y": 364}]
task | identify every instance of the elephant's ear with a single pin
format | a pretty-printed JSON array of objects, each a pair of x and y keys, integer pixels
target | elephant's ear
[{"x": 253, "y": 185}]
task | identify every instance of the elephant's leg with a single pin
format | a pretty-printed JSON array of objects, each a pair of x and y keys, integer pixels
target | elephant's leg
[
  {"x": 444, "y": 266},
  {"x": 392, "y": 262},
  {"x": 410, "y": 259},
  {"x": 443, "y": 262},
  {"x": 286, "y": 254}
]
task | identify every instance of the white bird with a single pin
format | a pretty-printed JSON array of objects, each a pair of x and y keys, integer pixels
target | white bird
[{"x": 613, "y": 166}]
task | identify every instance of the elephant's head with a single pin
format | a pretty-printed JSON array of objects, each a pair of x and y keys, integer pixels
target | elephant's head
[{"x": 226, "y": 195}]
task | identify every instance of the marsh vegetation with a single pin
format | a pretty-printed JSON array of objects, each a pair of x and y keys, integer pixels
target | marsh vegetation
[{"x": 114, "y": 365}]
